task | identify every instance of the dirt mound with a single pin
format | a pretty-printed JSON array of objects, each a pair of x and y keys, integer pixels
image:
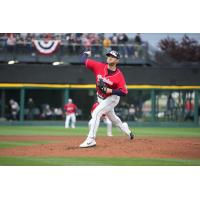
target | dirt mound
[{"x": 143, "y": 147}]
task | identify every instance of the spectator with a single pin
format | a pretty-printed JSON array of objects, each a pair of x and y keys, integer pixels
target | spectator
[
  {"x": 58, "y": 113},
  {"x": 29, "y": 38},
  {"x": 46, "y": 112},
  {"x": 3, "y": 40},
  {"x": 170, "y": 107},
  {"x": 122, "y": 38},
  {"x": 124, "y": 109},
  {"x": 11, "y": 42},
  {"x": 138, "y": 46},
  {"x": 122, "y": 41},
  {"x": 71, "y": 38},
  {"x": 94, "y": 39},
  {"x": 189, "y": 110},
  {"x": 106, "y": 43},
  {"x": 78, "y": 42},
  {"x": 114, "y": 39},
  {"x": 138, "y": 39},
  {"x": 132, "y": 112},
  {"x": 67, "y": 37},
  {"x": 101, "y": 37},
  {"x": 86, "y": 42},
  {"x": 57, "y": 36},
  {"x": 30, "y": 106},
  {"x": 14, "y": 109},
  {"x": 23, "y": 36}
]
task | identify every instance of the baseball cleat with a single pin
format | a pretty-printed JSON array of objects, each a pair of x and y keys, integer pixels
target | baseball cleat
[
  {"x": 128, "y": 131},
  {"x": 88, "y": 143},
  {"x": 109, "y": 135},
  {"x": 131, "y": 136}
]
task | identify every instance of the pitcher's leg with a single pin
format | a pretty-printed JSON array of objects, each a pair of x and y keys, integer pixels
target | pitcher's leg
[
  {"x": 89, "y": 123},
  {"x": 93, "y": 126},
  {"x": 109, "y": 126},
  {"x": 94, "y": 122},
  {"x": 117, "y": 122},
  {"x": 104, "y": 107}
]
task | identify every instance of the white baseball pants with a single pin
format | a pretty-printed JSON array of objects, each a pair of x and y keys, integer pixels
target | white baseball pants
[
  {"x": 70, "y": 117},
  {"x": 106, "y": 106},
  {"x": 108, "y": 124}
]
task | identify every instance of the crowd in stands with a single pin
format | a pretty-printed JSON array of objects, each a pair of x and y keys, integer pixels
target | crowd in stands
[
  {"x": 77, "y": 38},
  {"x": 127, "y": 46}
]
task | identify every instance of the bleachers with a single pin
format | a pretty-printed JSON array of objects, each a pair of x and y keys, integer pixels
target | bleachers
[{"x": 71, "y": 54}]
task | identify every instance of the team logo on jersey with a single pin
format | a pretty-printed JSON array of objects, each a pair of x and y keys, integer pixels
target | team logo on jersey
[{"x": 105, "y": 80}]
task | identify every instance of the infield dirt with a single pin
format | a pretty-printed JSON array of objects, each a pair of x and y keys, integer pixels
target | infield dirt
[{"x": 142, "y": 147}]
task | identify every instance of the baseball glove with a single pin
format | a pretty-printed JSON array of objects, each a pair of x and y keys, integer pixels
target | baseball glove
[{"x": 102, "y": 86}]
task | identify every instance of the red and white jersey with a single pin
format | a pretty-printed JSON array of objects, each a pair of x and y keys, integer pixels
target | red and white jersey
[
  {"x": 70, "y": 108},
  {"x": 94, "y": 106},
  {"x": 114, "y": 81}
]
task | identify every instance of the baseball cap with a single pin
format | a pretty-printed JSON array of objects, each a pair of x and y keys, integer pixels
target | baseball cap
[{"x": 114, "y": 54}]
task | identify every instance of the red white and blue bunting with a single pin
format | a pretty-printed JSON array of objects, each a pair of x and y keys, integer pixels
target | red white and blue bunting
[{"x": 46, "y": 47}]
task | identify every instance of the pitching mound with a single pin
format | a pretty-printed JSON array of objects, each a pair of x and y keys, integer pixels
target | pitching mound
[{"x": 143, "y": 147}]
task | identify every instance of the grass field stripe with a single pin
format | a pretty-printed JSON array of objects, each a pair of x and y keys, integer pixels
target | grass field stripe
[
  {"x": 81, "y": 131},
  {"x": 86, "y": 161},
  {"x": 10, "y": 144}
]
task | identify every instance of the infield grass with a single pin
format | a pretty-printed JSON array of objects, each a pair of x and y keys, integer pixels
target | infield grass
[
  {"x": 80, "y": 161},
  {"x": 82, "y": 131},
  {"x": 10, "y": 144}
]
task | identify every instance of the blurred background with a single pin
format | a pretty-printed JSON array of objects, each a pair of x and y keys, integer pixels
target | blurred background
[{"x": 39, "y": 72}]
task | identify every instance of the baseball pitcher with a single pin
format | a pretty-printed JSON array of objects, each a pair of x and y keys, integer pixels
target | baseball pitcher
[{"x": 110, "y": 85}]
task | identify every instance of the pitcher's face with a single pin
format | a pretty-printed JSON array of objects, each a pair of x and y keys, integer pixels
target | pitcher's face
[{"x": 112, "y": 60}]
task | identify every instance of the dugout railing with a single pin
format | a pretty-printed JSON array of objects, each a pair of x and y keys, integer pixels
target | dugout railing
[{"x": 150, "y": 101}]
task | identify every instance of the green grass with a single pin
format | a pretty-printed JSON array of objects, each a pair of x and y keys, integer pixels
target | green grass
[
  {"x": 60, "y": 131},
  {"x": 68, "y": 161},
  {"x": 10, "y": 144}
]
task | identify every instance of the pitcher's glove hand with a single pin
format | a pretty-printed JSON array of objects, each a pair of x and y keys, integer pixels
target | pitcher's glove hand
[{"x": 102, "y": 86}]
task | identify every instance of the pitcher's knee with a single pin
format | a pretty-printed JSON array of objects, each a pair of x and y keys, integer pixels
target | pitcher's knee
[
  {"x": 96, "y": 114},
  {"x": 90, "y": 123}
]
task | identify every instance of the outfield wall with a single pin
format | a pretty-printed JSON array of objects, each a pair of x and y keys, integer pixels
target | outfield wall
[
  {"x": 22, "y": 81},
  {"x": 76, "y": 74},
  {"x": 147, "y": 100}
]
